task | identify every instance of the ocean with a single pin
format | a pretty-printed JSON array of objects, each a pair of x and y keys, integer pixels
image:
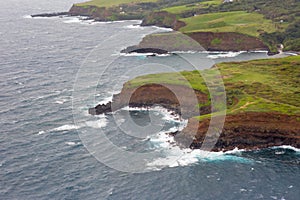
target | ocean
[{"x": 54, "y": 69}]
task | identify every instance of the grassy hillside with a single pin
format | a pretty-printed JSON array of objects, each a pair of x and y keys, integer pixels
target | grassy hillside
[
  {"x": 194, "y": 6},
  {"x": 278, "y": 22},
  {"x": 270, "y": 85},
  {"x": 239, "y": 21},
  {"x": 110, "y": 3},
  {"x": 273, "y": 21}
]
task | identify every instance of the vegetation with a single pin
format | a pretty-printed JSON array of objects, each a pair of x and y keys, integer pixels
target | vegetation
[
  {"x": 283, "y": 14},
  {"x": 290, "y": 38},
  {"x": 278, "y": 22},
  {"x": 153, "y": 4},
  {"x": 273, "y": 21},
  {"x": 110, "y": 3},
  {"x": 237, "y": 21},
  {"x": 270, "y": 85},
  {"x": 193, "y": 7}
]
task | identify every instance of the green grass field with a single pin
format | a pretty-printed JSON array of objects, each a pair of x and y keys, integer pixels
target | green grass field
[
  {"x": 180, "y": 9},
  {"x": 238, "y": 21},
  {"x": 270, "y": 85},
  {"x": 264, "y": 85},
  {"x": 190, "y": 79},
  {"x": 183, "y": 8},
  {"x": 110, "y": 3}
]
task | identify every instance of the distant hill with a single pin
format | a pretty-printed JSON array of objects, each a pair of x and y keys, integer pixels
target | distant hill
[{"x": 274, "y": 22}]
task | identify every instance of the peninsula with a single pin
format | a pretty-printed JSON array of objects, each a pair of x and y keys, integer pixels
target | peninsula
[
  {"x": 263, "y": 107},
  {"x": 221, "y": 25}
]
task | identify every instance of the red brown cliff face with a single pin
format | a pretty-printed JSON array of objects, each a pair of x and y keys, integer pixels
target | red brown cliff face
[
  {"x": 168, "y": 96},
  {"x": 223, "y": 41},
  {"x": 94, "y": 12},
  {"x": 199, "y": 41},
  {"x": 248, "y": 130},
  {"x": 227, "y": 41},
  {"x": 163, "y": 19}
]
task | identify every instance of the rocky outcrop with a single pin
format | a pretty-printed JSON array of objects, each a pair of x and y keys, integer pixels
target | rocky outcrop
[
  {"x": 136, "y": 49},
  {"x": 124, "y": 12},
  {"x": 164, "y": 95},
  {"x": 163, "y": 19},
  {"x": 227, "y": 41},
  {"x": 166, "y": 42},
  {"x": 247, "y": 130},
  {"x": 199, "y": 41},
  {"x": 51, "y": 14},
  {"x": 210, "y": 41},
  {"x": 97, "y": 13}
]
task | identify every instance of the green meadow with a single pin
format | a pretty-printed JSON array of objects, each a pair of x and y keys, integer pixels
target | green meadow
[
  {"x": 190, "y": 7},
  {"x": 273, "y": 22},
  {"x": 269, "y": 85},
  {"x": 238, "y": 21},
  {"x": 110, "y": 3}
]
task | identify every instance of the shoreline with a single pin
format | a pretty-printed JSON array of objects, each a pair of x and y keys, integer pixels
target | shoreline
[
  {"x": 224, "y": 143},
  {"x": 256, "y": 130},
  {"x": 262, "y": 138},
  {"x": 243, "y": 128},
  {"x": 194, "y": 36}
]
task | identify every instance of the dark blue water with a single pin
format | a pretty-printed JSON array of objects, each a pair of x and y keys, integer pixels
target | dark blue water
[{"x": 53, "y": 70}]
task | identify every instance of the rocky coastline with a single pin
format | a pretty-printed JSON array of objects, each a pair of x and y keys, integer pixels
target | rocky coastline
[
  {"x": 246, "y": 130},
  {"x": 155, "y": 94},
  {"x": 209, "y": 41}
]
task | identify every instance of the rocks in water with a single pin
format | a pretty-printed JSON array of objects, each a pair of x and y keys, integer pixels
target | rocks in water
[
  {"x": 135, "y": 49},
  {"x": 56, "y": 14},
  {"x": 101, "y": 109},
  {"x": 250, "y": 130}
]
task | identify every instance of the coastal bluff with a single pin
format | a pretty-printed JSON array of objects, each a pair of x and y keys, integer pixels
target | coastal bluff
[{"x": 260, "y": 114}]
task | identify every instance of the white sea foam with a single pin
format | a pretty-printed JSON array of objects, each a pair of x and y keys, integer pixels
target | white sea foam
[
  {"x": 225, "y": 55},
  {"x": 62, "y": 101},
  {"x": 119, "y": 21},
  {"x": 163, "y": 55},
  {"x": 72, "y": 20},
  {"x": 167, "y": 115},
  {"x": 185, "y": 52},
  {"x": 236, "y": 151},
  {"x": 287, "y": 147},
  {"x": 97, "y": 124},
  {"x": 143, "y": 54},
  {"x": 135, "y": 26},
  {"x": 27, "y": 16},
  {"x": 105, "y": 100},
  {"x": 279, "y": 152},
  {"x": 66, "y": 127},
  {"x": 80, "y": 19},
  {"x": 113, "y": 22},
  {"x": 291, "y": 53},
  {"x": 262, "y": 51},
  {"x": 100, "y": 123},
  {"x": 163, "y": 29},
  {"x": 41, "y": 132},
  {"x": 175, "y": 156},
  {"x": 72, "y": 143}
]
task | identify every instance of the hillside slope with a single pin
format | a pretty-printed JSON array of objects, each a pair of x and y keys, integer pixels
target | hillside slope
[
  {"x": 263, "y": 107},
  {"x": 274, "y": 22}
]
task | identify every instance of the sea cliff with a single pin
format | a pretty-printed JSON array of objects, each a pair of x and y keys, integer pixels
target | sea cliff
[
  {"x": 260, "y": 112},
  {"x": 218, "y": 25}
]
